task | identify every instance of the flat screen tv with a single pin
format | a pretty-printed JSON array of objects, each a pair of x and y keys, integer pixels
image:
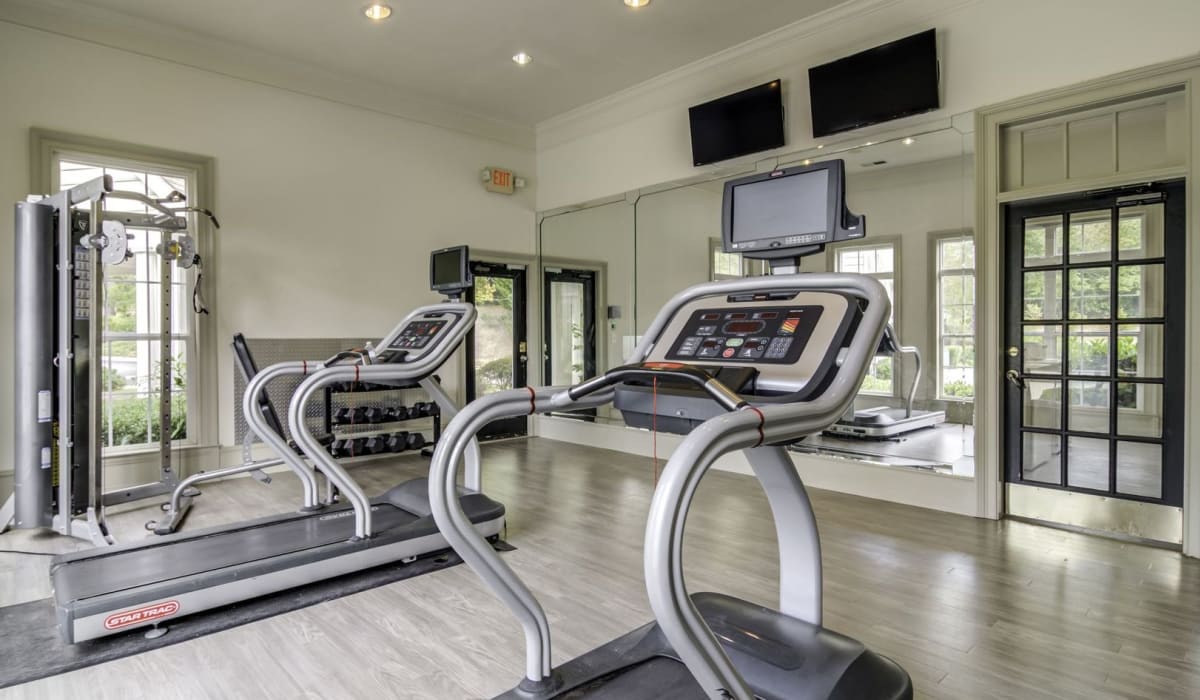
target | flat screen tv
[
  {"x": 887, "y": 82},
  {"x": 735, "y": 125}
]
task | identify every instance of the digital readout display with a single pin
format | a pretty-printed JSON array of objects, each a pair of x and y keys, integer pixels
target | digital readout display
[{"x": 743, "y": 327}]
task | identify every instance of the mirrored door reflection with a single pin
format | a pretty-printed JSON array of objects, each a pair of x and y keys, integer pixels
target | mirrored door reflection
[{"x": 569, "y": 352}]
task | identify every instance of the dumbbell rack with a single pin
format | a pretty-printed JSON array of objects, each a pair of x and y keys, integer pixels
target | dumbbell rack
[{"x": 379, "y": 396}]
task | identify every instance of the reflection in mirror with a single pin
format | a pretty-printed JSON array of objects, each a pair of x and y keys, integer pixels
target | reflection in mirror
[
  {"x": 918, "y": 197},
  {"x": 587, "y": 293},
  {"x": 917, "y": 192},
  {"x": 679, "y": 244}
]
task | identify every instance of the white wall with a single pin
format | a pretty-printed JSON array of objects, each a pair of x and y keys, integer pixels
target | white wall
[
  {"x": 991, "y": 50},
  {"x": 328, "y": 211}
]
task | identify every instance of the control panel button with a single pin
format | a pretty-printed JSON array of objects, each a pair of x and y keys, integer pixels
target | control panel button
[
  {"x": 729, "y": 352},
  {"x": 734, "y": 342},
  {"x": 706, "y": 330}
]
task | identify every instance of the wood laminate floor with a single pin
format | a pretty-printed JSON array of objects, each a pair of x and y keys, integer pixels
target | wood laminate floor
[{"x": 971, "y": 608}]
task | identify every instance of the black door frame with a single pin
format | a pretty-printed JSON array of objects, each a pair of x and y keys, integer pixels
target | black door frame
[
  {"x": 1174, "y": 339},
  {"x": 509, "y": 427}
]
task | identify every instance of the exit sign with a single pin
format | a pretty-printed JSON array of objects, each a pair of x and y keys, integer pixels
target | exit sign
[{"x": 501, "y": 181}]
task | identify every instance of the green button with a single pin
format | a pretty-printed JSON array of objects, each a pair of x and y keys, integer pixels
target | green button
[{"x": 734, "y": 342}]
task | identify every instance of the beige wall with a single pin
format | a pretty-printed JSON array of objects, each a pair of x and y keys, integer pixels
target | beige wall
[
  {"x": 328, "y": 211},
  {"x": 991, "y": 50}
]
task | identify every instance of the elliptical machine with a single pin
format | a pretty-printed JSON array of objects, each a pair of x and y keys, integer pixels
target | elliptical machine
[{"x": 751, "y": 365}]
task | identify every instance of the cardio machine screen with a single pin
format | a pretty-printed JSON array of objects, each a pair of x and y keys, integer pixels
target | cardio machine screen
[
  {"x": 757, "y": 334},
  {"x": 789, "y": 206}
]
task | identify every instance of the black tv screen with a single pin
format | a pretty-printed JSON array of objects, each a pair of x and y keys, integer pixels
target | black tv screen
[
  {"x": 744, "y": 122},
  {"x": 887, "y": 82}
]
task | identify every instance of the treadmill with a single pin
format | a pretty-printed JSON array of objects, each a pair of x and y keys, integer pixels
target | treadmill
[
  {"x": 884, "y": 422},
  {"x": 116, "y": 589},
  {"x": 794, "y": 349}
]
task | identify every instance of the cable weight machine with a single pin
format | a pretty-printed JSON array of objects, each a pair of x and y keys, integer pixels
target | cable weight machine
[{"x": 61, "y": 252}]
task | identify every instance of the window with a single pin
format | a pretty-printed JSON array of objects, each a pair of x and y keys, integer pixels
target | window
[
  {"x": 725, "y": 266},
  {"x": 955, "y": 265},
  {"x": 131, "y": 371},
  {"x": 878, "y": 261}
]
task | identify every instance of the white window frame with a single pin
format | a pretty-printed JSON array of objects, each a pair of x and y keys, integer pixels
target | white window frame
[
  {"x": 750, "y": 268},
  {"x": 879, "y": 242},
  {"x": 49, "y": 148},
  {"x": 936, "y": 240}
]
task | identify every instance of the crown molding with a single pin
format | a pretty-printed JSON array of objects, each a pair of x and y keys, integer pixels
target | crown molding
[
  {"x": 764, "y": 56},
  {"x": 787, "y": 34},
  {"x": 122, "y": 32}
]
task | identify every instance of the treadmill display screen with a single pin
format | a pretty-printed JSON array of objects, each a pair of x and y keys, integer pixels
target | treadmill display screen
[{"x": 778, "y": 335}]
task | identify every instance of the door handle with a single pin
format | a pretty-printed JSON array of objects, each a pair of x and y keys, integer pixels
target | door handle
[{"x": 1015, "y": 377}]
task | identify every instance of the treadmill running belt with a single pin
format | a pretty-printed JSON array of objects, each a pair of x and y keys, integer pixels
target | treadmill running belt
[{"x": 175, "y": 559}]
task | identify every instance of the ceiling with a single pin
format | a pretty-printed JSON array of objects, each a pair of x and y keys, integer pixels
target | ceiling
[{"x": 458, "y": 52}]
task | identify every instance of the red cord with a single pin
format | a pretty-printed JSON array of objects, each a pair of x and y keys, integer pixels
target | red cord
[
  {"x": 761, "y": 422},
  {"x": 654, "y": 429}
]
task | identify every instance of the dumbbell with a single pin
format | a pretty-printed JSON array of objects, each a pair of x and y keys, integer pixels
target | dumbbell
[
  {"x": 397, "y": 442},
  {"x": 415, "y": 441},
  {"x": 398, "y": 413},
  {"x": 375, "y": 414},
  {"x": 376, "y": 444},
  {"x": 346, "y": 414},
  {"x": 337, "y": 448}
]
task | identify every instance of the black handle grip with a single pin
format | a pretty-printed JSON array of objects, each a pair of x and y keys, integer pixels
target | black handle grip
[{"x": 692, "y": 374}]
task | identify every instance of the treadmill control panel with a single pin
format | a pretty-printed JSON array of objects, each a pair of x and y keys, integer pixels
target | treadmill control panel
[
  {"x": 752, "y": 334},
  {"x": 418, "y": 334}
]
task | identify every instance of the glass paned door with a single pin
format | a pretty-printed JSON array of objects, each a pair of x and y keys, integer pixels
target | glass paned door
[
  {"x": 1094, "y": 348},
  {"x": 497, "y": 349},
  {"x": 569, "y": 325}
]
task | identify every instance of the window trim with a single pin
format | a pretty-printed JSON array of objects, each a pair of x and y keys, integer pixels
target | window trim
[
  {"x": 935, "y": 326},
  {"x": 750, "y": 268},
  {"x": 896, "y": 242},
  {"x": 44, "y": 146}
]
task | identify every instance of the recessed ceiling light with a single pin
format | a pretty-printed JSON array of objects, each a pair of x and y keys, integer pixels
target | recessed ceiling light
[
  {"x": 522, "y": 58},
  {"x": 820, "y": 146},
  {"x": 637, "y": 3},
  {"x": 377, "y": 11},
  {"x": 807, "y": 162},
  {"x": 909, "y": 141}
]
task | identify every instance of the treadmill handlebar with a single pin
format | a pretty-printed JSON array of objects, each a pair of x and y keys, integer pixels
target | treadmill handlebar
[
  {"x": 769, "y": 425},
  {"x": 723, "y": 395},
  {"x": 681, "y": 623}
]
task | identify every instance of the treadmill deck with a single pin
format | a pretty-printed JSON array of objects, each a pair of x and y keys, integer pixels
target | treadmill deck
[
  {"x": 104, "y": 591},
  {"x": 783, "y": 658}
]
